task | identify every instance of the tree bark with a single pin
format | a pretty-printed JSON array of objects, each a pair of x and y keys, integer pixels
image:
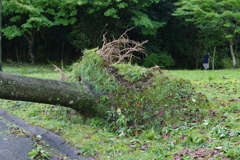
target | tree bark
[
  {"x": 30, "y": 39},
  {"x": 68, "y": 94},
  {"x": 197, "y": 54},
  {"x": 232, "y": 53},
  {"x": 0, "y": 36},
  {"x": 213, "y": 58}
]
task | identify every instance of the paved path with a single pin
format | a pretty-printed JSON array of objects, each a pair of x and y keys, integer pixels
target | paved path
[{"x": 17, "y": 146}]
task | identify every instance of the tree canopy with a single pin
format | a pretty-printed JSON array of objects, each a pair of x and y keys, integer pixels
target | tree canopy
[
  {"x": 223, "y": 15},
  {"x": 44, "y": 31}
]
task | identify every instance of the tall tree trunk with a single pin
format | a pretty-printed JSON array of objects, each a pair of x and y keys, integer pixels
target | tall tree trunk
[
  {"x": 0, "y": 35},
  {"x": 30, "y": 52},
  {"x": 197, "y": 59},
  {"x": 213, "y": 59},
  {"x": 30, "y": 39},
  {"x": 232, "y": 53},
  {"x": 197, "y": 55},
  {"x": 68, "y": 94}
]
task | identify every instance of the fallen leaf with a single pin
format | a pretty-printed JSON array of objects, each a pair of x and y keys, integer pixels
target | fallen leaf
[
  {"x": 194, "y": 120},
  {"x": 221, "y": 91},
  {"x": 138, "y": 104},
  {"x": 171, "y": 95},
  {"x": 162, "y": 122},
  {"x": 234, "y": 99},
  {"x": 185, "y": 150},
  {"x": 161, "y": 114},
  {"x": 219, "y": 147},
  {"x": 174, "y": 127},
  {"x": 181, "y": 119},
  {"x": 212, "y": 113}
]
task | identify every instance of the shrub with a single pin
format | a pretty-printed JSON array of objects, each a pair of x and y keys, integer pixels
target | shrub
[
  {"x": 228, "y": 63},
  {"x": 162, "y": 59}
]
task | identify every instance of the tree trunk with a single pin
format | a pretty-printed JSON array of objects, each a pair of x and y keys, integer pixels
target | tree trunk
[
  {"x": 31, "y": 53},
  {"x": 232, "y": 53},
  {"x": 68, "y": 94},
  {"x": 30, "y": 40},
  {"x": 197, "y": 55},
  {"x": 213, "y": 59},
  {"x": 0, "y": 36}
]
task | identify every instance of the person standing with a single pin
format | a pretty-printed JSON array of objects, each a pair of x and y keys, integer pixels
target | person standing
[{"x": 206, "y": 60}]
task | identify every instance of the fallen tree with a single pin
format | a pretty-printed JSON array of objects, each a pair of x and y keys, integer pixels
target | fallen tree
[
  {"x": 108, "y": 85},
  {"x": 23, "y": 88}
]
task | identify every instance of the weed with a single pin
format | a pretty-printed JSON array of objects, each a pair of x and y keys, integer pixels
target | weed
[
  {"x": 39, "y": 153},
  {"x": 15, "y": 129}
]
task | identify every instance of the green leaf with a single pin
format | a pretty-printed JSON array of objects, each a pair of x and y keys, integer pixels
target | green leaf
[
  {"x": 122, "y": 5},
  {"x": 111, "y": 13},
  {"x": 50, "y": 11},
  {"x": 142, "y": 19},
  {"x": 91, "y": 10},
  {"x": 11, "y": 32},
  {"x": 228, "y": 24},
  {"x": 237, "y": 31},
  {"x": 15, "y": 18},
  {"x": 229, "y": 36}
]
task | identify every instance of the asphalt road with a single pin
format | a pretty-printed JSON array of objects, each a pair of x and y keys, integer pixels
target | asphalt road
[{"x": 18, "y": 138}]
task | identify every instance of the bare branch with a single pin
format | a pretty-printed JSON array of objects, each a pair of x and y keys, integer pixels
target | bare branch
[
  {"x": 64, "y": 77},
  {"x": 120, "y": 49}
]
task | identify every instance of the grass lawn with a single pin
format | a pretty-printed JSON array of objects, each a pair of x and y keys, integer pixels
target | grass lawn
[{"x": 216, "y": 137}]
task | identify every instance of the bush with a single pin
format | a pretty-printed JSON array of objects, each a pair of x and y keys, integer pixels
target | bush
[
  {"x": 162, "y": 59},
  {"x": 228, "y": 63}
]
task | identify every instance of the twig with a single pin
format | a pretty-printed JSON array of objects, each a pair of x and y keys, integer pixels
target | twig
[
  {"x": 64, "y": 77},
  {"x": 120, "y": 49}
]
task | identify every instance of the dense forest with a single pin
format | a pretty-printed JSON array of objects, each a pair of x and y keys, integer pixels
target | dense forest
[{"x": 179, "y": 32}]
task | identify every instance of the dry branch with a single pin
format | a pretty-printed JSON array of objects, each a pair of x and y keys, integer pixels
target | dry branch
[
  {"x": 64, "y": 77},
  {"x": 120, "y": 49}
]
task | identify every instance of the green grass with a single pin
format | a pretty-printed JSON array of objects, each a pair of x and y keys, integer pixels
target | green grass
[
  {"x": 217, "y": 137},
  {"x": 219, "y": 85}
]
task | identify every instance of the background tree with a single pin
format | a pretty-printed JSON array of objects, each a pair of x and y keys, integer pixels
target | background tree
[
  {"x": 26, "y": 18},
  {"x": 224, "y": 13},
  {"x": 176, "y": 38},
  {"x": 135, "y": 12},
  {"x": 212, "y": 39},
  {"x": 76, "y": 25}
]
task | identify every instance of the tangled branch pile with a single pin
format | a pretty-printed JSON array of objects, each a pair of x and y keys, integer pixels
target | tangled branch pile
[{"x": 120, "y": 49}]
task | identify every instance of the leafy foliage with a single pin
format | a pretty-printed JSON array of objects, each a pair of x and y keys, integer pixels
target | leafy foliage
[
  {"x": 136, "y": 10},
  {"x": 163, "y": 60},
  {"x": 208, "y": 12},
  {"x": 223, "y": 15},
  {"x": 32, "y": 15},
  {"x": 39, "y": 153}
]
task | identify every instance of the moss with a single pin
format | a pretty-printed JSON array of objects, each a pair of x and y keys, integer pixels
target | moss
[{"x": 143, "y": 96}]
